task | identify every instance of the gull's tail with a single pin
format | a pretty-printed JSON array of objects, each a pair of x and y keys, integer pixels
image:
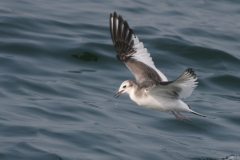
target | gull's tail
[
  {"x": 193, "y": 112},
  {"x": 197, "y": 113}
]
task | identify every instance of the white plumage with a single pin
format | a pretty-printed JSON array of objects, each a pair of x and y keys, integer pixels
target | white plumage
[
  {"x": 142, "y": 55},
  {"x": 183, "y": 86}
]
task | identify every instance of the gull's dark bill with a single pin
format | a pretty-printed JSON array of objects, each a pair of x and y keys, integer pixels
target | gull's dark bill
[{"x": 118, "y": 93}]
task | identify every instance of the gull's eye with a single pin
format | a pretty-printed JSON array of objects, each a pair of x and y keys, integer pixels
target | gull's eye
[{"x": 124, "y": 86}]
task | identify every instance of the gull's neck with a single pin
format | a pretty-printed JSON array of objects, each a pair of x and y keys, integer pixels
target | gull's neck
[{"x": 136, "y": 93}]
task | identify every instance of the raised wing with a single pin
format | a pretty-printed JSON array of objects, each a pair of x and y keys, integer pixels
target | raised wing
[
  {"x": 132, "y": 52},
  {"x": 180, "y": 88}
]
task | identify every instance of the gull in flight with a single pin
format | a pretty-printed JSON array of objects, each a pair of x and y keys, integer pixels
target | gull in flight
[{"x": 151, "y": 89}]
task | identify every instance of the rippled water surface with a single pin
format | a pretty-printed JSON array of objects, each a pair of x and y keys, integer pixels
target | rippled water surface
[{"x": 58, "y": 75}]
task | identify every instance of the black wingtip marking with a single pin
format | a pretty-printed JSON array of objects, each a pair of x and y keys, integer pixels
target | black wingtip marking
[
  {"x": 120, "y": 23},
  {"x": 114, "y": 27},
  {"x": 111, "y": 29},
  {"x": 191, "y": 72},
  {"x": 125, "y": 31},
  {"x": 122, "y": 37},
  {"x": 128, "y": 39}
]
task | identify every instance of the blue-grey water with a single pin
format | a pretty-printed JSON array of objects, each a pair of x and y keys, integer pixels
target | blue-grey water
[{"x": 58, "y": 75}]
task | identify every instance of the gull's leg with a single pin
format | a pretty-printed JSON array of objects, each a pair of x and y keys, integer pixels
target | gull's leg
[
  {"x": 184, "y": 117},
  {"x": 178, "y": 116}
]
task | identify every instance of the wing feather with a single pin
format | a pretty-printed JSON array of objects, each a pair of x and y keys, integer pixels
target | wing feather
[
  {"x": 180, "y": 88},
  {"x": 132, "y": 52}
]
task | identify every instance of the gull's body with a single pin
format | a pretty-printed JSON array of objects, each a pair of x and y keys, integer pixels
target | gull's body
[{"x": 152, "y": 89}]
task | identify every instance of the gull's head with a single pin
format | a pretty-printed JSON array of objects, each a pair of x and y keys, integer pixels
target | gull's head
[{"x": 126, "y": 87}]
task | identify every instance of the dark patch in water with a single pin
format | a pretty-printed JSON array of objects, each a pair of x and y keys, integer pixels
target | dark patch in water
[{"x": 86, "y": 56}]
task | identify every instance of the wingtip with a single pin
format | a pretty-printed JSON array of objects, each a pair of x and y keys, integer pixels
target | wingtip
[
  {"x": 115, "y": 14},
  {"x": 191, "y": 72},
  {"x": 122, "y": 36}
]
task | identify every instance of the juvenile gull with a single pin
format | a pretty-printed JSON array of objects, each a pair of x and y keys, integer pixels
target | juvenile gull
[{"x": 152, "y": 89}]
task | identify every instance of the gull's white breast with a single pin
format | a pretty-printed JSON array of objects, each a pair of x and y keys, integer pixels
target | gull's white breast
[{"x": 145, "y": 100}]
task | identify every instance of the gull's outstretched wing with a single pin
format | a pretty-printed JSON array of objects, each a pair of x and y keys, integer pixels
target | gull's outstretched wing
[
  {"x": 132, "y": 52},
  {"x": 180, "y": 88}
]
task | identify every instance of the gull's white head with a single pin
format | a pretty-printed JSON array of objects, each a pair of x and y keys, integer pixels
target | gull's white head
[{"x": 126, "y": 87}]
